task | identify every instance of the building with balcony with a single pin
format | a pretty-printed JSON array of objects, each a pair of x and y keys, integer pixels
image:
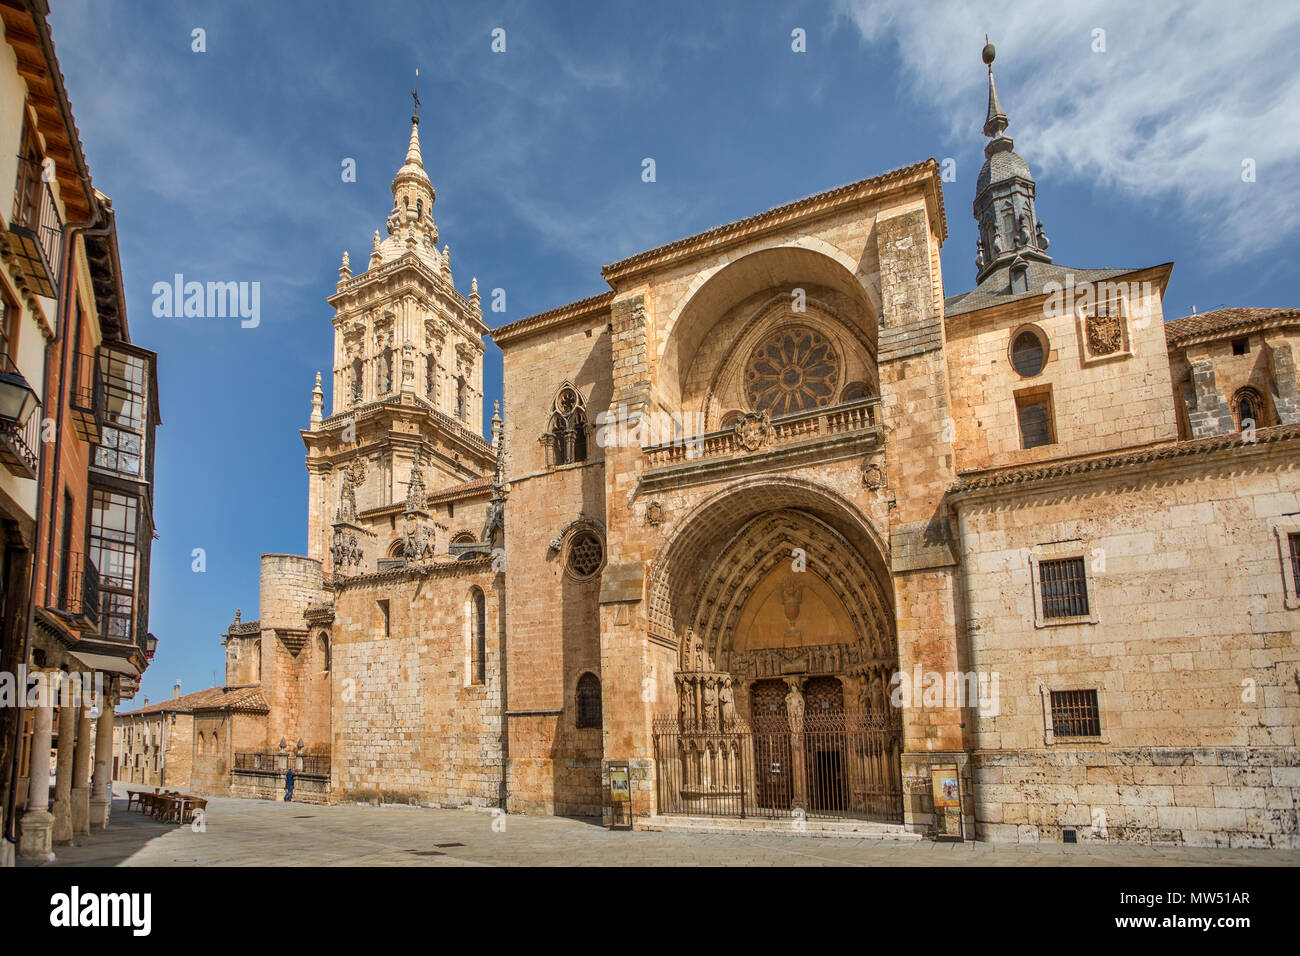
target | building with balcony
[
  {"x": 777, "y": 527},
  {"x": 76, "y": 486}
]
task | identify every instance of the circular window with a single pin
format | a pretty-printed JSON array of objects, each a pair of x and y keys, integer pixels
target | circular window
[
  {"x": 792, "y": 370},
  {"x": 1028, "y": 353},
  {"x": 585, "y": 554}
]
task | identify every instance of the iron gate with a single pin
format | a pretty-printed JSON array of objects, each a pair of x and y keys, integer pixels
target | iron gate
[{"x": 830, "y": 767}]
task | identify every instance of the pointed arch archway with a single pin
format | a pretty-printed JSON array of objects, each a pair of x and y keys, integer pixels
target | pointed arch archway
[{"x": 776, "y": 590}]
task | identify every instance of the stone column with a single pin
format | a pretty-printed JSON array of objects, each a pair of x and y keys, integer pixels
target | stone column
[
  {"x": 101, "y": 796},
  {"x": 63, "y": 775},
  {"x": 35, "y": 841},
  {"x": 81, "y": 773}
]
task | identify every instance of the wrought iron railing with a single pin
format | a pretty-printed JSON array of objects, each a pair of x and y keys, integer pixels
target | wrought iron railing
[
  {"x": 273, "y": 761},
  {"x": 841, "y": 419},
  {"x": 85, "y": 395},
  {"x": 34, "y": 209},
  {"x": 829, "y": 767},
  {"x": 80, "y": 591}
]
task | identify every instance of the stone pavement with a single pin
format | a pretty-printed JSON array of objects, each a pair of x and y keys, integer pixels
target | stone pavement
[{"x": 262, "y": 833}]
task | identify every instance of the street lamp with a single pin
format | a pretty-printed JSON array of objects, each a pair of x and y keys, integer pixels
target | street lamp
[
  {"x": 150, "y": 645},
  {"x": 17, "y": 399}
]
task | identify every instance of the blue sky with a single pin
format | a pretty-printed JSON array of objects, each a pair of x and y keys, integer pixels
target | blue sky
[{"x": 226, "y": 165}]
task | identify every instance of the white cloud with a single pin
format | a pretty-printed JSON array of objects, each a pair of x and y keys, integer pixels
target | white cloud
[{"x": 1180, "y": 97}]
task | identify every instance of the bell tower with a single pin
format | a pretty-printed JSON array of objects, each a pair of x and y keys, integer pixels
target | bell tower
[{"x": 407, "y": 398}]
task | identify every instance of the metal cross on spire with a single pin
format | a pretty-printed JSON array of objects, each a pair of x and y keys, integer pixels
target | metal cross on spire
[{"x": 415, "y": 97}]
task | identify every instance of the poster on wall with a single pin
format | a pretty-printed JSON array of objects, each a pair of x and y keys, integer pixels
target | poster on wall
[
  {"x": 620, "y": 797},
  {"x": 946, "y": 791}
]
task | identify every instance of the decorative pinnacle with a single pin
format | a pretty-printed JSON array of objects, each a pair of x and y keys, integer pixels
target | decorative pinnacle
[{"x": 415, "y": 97}]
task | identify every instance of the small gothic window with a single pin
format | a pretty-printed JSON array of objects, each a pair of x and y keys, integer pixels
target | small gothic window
[
  {"x": 431, "y": 378},
  {"x": 567, "y": 435},
  {"x": 356, "y": 381},
  {"x": 385, "y": 371},
  {"x": 323, "y": 644},
  {"x": 419, "y": 208},
  {"x": 1249, "y": 409},
  {"x": 585, "y": 554},
  {"x": 1028, "y": 354},
  {"x": 589, "y": 701},
  {"x": 461, "y": 409}
]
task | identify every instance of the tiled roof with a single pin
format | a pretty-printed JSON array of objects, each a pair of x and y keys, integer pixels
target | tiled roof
[
  {"x": 540, "y": 321},
  {"x": 864, "y": 187},
  {"x": 464, "y": 489},
  {"x": 176, "y": 705},
  {"x": 996, "y": 287},
  {"x": 246, "y": 699},
  {"x": 1223, "y": 322}
]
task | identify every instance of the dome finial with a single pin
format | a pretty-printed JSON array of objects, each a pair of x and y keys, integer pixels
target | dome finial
[{"x": 989, "y": 53}]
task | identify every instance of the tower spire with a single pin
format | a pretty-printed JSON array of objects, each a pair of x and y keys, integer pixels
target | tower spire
[
  {"x": 1010, "y": 235},
  {"x": 995, "y": 124}
]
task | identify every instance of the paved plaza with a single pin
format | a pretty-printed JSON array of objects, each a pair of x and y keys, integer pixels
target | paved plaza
[{"x": 262, "y": 833}]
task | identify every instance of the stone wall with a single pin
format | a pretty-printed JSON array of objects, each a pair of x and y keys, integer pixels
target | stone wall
[
  {"x": 409, "y": 722},
  {"x": 1190, "y": 643}
]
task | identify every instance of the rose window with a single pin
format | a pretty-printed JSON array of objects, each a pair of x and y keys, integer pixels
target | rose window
[
  {"x": 585, "y": 554},
  {"x": 793, "y": 370}
]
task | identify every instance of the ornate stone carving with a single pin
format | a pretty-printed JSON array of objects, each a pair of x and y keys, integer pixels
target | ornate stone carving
[
  {"x": 791, "y": 599},
  {"x": 654, "y": 514},
  {"x": 347, "y": 510},
  {"x": 794, "y": 705},
  {"x": 1105, "y": 334},
  {"x": 753, "y": 431},
  {"x": 346, "y": 550},
  {"x": 873, "y": 476}
]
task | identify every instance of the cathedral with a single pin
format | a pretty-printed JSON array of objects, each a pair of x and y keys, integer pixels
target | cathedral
[{"x": 776, "y": 527}]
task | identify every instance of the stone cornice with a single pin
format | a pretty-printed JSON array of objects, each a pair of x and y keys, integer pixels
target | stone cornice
[
  {"x": 925, "y": 175},
  {"x": 976, "y": 487},
  {"x": 389, "y": 270},
  {"x": 449, "y": 427},
  {"x": 531, "y": 325},
  {"x": 411, "y": 571}
]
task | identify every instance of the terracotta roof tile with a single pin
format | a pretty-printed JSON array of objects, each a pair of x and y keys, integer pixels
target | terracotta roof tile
[
  {"x": 1222, "y": 322},
  {"x": 246, "y": 699},
  {"x": 180, "y": 705}
]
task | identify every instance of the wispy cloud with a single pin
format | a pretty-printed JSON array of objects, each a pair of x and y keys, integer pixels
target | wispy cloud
[{"x": 1180, "y": 97}]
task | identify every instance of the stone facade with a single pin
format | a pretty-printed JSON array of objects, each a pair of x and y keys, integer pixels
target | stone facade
[{"x": 773, "y": 521}]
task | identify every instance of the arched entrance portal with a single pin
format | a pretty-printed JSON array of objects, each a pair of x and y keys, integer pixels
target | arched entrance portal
[{"x": 786, "y": 650}]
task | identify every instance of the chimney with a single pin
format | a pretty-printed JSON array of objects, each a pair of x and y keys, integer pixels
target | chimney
[{"x": 176, "y": 691}]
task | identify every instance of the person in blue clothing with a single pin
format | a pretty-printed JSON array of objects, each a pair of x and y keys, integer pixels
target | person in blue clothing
[{"x": 288, "y": 787}]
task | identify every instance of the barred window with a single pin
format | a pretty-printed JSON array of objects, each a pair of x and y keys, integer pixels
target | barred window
[
  {"x": 1293, "y": 541},
  {"x": 589, "y": 701},
  {"x": 1064, "y": 587},
  {"x": 1075, "y": 713}
]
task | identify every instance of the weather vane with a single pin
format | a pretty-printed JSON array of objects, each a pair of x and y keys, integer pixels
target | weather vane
[{"x": 415, "y": 97}]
